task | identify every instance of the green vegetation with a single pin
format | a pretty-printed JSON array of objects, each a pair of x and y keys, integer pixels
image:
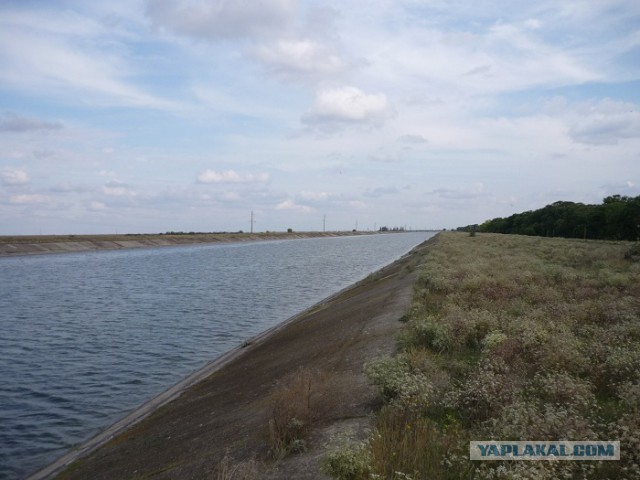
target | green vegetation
[
  {"x": 509, "y": 338},
  {"x": 618, "y": 218}
]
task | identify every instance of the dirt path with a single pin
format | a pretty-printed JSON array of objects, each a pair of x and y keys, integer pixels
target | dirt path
[{"x": 227, "y": 412}]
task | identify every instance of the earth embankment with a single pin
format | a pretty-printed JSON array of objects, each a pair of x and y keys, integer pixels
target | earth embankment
[{"x": 39, "y": 245}]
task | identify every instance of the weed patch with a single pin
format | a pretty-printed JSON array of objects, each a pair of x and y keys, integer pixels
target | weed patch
[
  {"x": 512, "y": 338},
  {"x": 295, "y": 406}
]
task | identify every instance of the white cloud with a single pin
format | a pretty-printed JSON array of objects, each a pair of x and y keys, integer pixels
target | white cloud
[
  {"x": 291, "y": 205},
  {"x": 472, "y": 191},
  {"x": 97, "y": 207},
  {"x": 114, "y": 188},
  {"x": 314, "y": 196},
  {"x": 221, "y": 19},
  {"x": 231, "y": 196},
  {"x": 381, "y": 191},
  {"x": 295, "y": 58},
  {"x": 605, "y": 122},
  {"x": 231, "y": 176},
  {"x": 28, "y": 199},
  {"x": 385, "y": 156},
  {"x": 412, "y": 138},
  {"x": 39, "y": 62},
  {"x": 14, "y": 177},
  {"x": 348, "y": 104}
]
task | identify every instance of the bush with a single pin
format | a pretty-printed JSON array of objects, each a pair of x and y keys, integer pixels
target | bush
[
  {"x": 348, "y": 462},
  {"x": 294, "y": 407},
  {"x": 398, "y": 384},
  {"x": 429, "y": 334},
  {"x": 512, "y": 338},
  {"x": 405, "y": 445}
]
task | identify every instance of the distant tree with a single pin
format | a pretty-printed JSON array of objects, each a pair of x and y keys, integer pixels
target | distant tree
[{"x": 617, "y": 218}]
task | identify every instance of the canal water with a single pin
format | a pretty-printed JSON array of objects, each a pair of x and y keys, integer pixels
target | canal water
[{"x": 87, "y": 337}]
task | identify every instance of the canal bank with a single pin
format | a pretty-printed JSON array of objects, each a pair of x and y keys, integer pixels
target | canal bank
[{"x": 40, "y": 245}]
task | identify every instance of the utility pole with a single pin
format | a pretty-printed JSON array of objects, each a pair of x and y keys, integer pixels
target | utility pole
[
  {"x": 252, "y": 222},
  {"x": 324, "y": 222}
]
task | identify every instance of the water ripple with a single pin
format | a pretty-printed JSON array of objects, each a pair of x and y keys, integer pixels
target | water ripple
[{"x": 87, "y": 337}]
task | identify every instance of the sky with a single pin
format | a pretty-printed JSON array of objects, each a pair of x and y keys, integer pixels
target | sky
[{"x": 134, "y": 116}]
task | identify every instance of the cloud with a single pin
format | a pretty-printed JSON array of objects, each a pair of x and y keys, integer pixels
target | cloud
[
  {"x": 221, "y": 19},
  {"x": 357, "y": 204},
  {"x": 12, "y": 122},
  {"x": 479, "y": 70},
  {"x": 474, "y": 190},
  {"x": 231, "y": 176},
  {"x": 14, "y": 177},
  {"x": 381, "y": 191},
  {"x": 87, "y": 70},
  {"x": 28, "y": 199},
  {"x": 348, "y": 105},
  {"x": 605, "y": 122},
  {"x": 41, "y": 154},
  {"x": 97, "y": 207},
  {"x": 385, "y": 156},
  {"x": 68, "y": 188},
  {"x": 296, "y": 58},
  {"x": 114, "y": 188},
  {"x": 412, "y": 138},
  {"x": 291, "y": 205},
  {"x": 314, "y": 196}
]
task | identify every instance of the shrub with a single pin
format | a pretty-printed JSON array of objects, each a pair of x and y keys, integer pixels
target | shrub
[
  {"x": 512, "y": 338},
  {"x": 562, "y": 389},
  {"x": 348, "y": 462},
  {"x": 487, "y": 390},
  {"x": 294, "y": 407},
  {"x": 406, "y": 445},
  {"x": 398, "y": 384},
  {"x": 427, "y": 333},
  {"x": 493, "y": 340}
]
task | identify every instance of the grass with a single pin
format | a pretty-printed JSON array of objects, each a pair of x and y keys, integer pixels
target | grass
[
  {"x": 509, "y": 338},
  {"x": 228, "y": 469},
  {"x": 295, "y": 406}
]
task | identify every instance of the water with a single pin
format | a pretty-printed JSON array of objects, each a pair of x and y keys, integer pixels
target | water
[{"x": 87, "y": 337}]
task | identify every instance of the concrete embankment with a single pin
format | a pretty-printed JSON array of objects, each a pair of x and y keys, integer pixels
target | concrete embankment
[
  {"x": 224, "y": 410},
  {"x": 38, "y": 245}
]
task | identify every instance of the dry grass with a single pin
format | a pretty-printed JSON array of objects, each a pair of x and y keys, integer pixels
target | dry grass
[
  {"x": 228, "y": 469},
  {"x": 295, "y": 406},
  {"x": 515, "y": 338}
]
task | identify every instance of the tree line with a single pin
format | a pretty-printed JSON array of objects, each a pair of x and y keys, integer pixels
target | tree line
[{"x": 617, "y": 218}]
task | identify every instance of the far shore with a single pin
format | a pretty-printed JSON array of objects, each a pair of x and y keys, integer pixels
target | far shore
[{"x": 48, "y": 244}]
